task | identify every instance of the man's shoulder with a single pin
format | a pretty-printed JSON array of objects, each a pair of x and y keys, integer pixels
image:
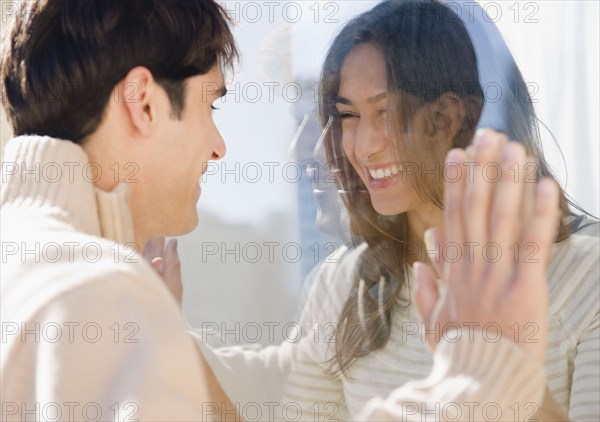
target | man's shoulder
[{"x": 42, "y": 269}]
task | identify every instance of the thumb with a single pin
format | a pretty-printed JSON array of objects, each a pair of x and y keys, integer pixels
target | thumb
[
  {"x": 173, "y": 267},
  {"x": 159, "y": 265},
  {"x": 427, "y": 294},
  {"x": 173, "y": 271},
  {"x": 434, "y": 239},
  {"x": 154, "y": 248}
]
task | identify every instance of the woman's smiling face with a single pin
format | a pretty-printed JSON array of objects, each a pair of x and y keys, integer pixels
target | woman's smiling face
[{"x": 364, "y": 106}]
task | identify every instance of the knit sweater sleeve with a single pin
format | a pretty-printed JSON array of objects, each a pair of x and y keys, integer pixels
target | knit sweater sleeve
[
  {"x": 312, "y": 392},
  {"x": 585, "y": 390},
  {"x": 111, "y": 349},
  {"x": 582, "y": 322},
  {"x": 237, "y": 367},
  {"x": 471, "y": 380}
]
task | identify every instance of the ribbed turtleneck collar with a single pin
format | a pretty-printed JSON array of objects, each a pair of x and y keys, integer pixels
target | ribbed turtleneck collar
[{"x": 43, "y": 178}]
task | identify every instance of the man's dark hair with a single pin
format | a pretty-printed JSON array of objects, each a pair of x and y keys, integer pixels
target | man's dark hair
[{"x": 61, "y": 59}]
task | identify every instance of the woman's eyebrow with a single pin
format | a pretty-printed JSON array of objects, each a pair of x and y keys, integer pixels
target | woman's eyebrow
[
  {"x": 342, "y": 100},
  {"x": 371, "y": 100},
  {"x": 377, "y": 98}
]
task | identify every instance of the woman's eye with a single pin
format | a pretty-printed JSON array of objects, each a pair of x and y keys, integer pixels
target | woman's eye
[
  {"x": 213, "y": 107},
  {"x": 384, "y": 113},
  {"x": 344, "y": 116}
]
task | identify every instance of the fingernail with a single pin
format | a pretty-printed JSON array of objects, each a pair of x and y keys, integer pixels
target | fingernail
[
  {"x": 415, "y": 279},
  {"x": 158, "y": 265},
  {"x": 429, "y": 240},
  {"x": 454, "y": 156},
  {"x": 415, "y": 265},
  {"x": 481, "y": 137}
]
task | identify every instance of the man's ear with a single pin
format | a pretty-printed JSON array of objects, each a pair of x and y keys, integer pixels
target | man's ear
[
  {"x": 137, "y": 94},
  {"x": 446, "y": 118}
]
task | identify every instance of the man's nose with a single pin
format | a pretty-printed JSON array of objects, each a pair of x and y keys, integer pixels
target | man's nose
[{"x": 220, "y": 148}]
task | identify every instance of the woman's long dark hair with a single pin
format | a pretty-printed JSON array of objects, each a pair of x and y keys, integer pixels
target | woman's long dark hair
[{"x": 428, "y": 52}]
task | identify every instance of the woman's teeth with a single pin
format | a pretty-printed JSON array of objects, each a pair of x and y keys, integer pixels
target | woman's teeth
[{"x": 384, "y": 172}]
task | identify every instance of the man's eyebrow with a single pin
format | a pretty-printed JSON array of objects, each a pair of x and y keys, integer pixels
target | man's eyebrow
[{"x": 371, "y": 100}]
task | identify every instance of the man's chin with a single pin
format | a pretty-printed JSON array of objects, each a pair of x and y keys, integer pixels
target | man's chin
[{"x": 185, "y": 225}]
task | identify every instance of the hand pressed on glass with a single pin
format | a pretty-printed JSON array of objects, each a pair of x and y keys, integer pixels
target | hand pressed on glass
[{"x": 511, "y": 211}]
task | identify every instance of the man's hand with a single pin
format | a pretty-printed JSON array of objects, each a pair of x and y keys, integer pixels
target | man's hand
[
  {"x": 166, "y": 263},
  {"x": 503, "y": 231}
]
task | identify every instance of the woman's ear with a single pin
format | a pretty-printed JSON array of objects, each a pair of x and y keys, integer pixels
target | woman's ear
[
  {"x": 447, "y": 115},
  {"x": 137, "y": 94}
]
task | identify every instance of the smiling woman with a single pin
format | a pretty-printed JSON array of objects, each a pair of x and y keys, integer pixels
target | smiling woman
[{"x": 400, "y": 87}]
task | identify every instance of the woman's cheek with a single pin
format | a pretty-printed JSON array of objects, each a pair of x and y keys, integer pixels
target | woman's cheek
[{"x": 348, "y": 143}]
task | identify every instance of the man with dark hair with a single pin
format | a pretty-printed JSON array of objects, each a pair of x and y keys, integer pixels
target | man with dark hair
[{"x": 111, "y": 103}]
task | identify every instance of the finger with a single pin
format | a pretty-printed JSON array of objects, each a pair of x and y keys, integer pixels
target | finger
[
  {"x": 471, "y": 148},
  {"x": 506, "y": 211},
  {"x": 470, "y": 152},
  {"x": 454, "y": 191},
  {"x": 427, "y": 294},
  {"x": 159, "y": 265},
  {"x": 530, "y": 182},
  {"x": 434, "y": 239},
  {"x": 173, "y": 263},
  {"x": 479, "y": 191},
  {"x": 154, "y": 248},
  {"x": 540, "y": 235},
  {"x": 173, "y": 270}
]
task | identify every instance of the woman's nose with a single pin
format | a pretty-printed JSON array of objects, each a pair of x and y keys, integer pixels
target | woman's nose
[{"x": 371, "y": 138}]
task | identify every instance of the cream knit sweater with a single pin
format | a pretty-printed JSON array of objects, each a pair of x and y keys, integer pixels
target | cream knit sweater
[
  {"x": 88, "y": 329},
  {"x": 89, "y": 332},
  {"x": 572, "y": 364}
]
